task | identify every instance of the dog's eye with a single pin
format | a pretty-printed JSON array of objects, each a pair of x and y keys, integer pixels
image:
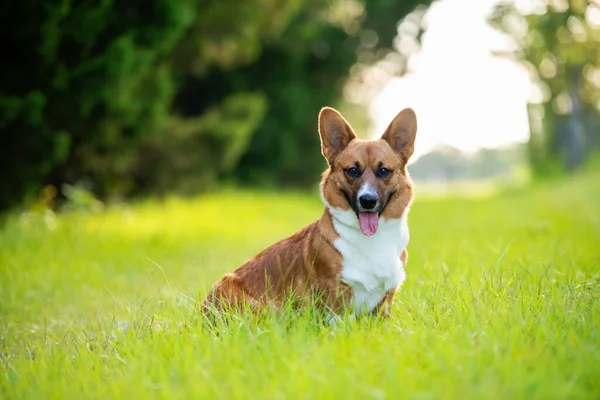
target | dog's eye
[
  {"x": 382, "y": 172},
  {"x": 353, "y": 172}
]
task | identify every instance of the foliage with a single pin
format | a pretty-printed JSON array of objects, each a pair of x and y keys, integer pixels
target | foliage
[
  {"x": 81, "y": 82},
  {"x": 501, "y": 301},
  {"x": 151, "y": 97},
  {"x": 559, "y": 41}
]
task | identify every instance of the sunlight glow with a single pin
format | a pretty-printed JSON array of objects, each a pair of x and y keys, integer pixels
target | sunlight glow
[{"x": 464, "y": 96}]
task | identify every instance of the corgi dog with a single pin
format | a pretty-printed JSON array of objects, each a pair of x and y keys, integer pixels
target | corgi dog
[{"x": 353, "y": 257}]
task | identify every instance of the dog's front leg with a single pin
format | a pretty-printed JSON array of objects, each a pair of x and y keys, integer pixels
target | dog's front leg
[{"x": 384, "y": 308}]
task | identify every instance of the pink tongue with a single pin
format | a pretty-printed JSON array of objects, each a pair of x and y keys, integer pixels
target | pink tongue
[{"x": 369, "y": 221}]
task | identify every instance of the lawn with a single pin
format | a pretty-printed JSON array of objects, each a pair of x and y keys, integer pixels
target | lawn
[{"x": 502, "y": 301}]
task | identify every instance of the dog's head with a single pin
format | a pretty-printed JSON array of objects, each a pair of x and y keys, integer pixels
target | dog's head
[{"x": 367, "y": 176}]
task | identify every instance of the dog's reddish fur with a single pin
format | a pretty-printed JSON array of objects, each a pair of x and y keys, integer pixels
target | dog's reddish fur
[{"x": 306, "y": 265}]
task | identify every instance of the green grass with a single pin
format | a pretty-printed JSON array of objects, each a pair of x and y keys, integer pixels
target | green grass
[{"x": 502, "y": 301}]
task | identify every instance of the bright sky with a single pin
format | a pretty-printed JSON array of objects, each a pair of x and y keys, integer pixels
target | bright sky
[{"x": 462, "y": 94}]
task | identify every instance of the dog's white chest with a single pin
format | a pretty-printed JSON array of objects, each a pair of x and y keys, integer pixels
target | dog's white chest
[{"x": 371, "y": 264}]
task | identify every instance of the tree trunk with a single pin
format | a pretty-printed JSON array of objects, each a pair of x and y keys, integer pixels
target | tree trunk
[{"x": 574, "y": 149}]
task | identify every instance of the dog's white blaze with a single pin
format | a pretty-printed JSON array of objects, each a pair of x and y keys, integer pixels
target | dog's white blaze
[
  {"x": 364, "y": 189},
  {"x": 371, "y": 264}
]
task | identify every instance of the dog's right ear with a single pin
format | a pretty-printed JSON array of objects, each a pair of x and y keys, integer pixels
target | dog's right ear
[{"x": 335, "y": 133}]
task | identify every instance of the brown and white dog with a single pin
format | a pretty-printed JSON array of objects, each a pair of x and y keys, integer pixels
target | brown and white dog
[{"x": 354, "y": 256}]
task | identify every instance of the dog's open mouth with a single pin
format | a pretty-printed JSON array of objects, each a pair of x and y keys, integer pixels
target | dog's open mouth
[{"x": 369, "y": 222}]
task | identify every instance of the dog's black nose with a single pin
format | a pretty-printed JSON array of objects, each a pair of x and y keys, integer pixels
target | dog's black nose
[{"x": 368, "y": 201}]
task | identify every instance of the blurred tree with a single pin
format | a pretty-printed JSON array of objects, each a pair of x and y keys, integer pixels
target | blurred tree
[
  {"x": 149, "y": 97},
  {"x": 559, "y": 42}
]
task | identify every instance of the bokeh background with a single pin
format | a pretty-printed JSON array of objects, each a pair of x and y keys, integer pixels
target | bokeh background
[
  {"x": 149, "y": 147},
  {"x": 121, "y": 101}
]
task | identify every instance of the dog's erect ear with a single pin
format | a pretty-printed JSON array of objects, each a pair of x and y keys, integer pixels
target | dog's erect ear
[
  {"x": 401, "y": 133},
  {"x": 335, "y": 133}
]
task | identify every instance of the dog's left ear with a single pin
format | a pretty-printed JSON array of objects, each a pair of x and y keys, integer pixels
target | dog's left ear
[
  {"x": 335, "y": 133},
  {"x": 401, "y": 134}
]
